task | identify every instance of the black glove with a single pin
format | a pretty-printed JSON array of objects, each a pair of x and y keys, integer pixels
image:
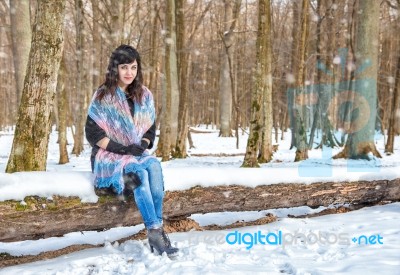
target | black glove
[
  {"x": 133, "y": 149},
  {"x": 144, "y": 144}
]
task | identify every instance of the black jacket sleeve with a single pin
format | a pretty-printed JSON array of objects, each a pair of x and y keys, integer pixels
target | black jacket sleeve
[
  {"x": 94, "y": 133},
  {"x": 151, "y": 135}
]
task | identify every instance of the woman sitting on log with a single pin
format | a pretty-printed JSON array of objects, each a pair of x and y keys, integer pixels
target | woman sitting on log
[{"x": 120, "y": 127}]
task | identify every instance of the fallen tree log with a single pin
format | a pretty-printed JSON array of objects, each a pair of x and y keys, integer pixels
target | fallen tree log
[{"x": 41, "y": 218}]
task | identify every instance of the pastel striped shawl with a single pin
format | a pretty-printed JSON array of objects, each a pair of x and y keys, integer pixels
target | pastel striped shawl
[{"x": 112, "y": 114}]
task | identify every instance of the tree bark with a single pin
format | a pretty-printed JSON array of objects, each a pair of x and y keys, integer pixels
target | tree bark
[
  {"x": 325, "y": 45},
  {"x": 64, "y": 215},
  {"x": 231, "y": 16},
  {"x": 262, "y": 84},
  {"x": 393, "y": 118},
  {"x": 171, "y": 96},
  {"x": 154, "y": 53},
  {"x": 170, "y": 109},
  {"x": 21, "y": 40},
  {"x": 8, "y": 96},
  {"x": 29, "y": 149},
  {"x": 360, "y": 143},
  {"x": 80, "y": 116},
  {"x": 116, "y": 31},
  {"x": 299, "y": 115},
  {"x": 394, "y": 112},
  {"x": 62, "y": 113},
  {"x": 183, "y": 68},
  {"x": 266, "y": 144},
  {"x": 294, "y": 63},
  {"x": 96, "y": 49}
]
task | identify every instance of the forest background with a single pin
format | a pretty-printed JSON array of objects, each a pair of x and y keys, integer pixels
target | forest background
[{"x": 324, "y": 67}]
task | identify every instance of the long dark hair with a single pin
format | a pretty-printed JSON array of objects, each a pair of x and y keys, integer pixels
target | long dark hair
[{"x": 124, "y": 54}]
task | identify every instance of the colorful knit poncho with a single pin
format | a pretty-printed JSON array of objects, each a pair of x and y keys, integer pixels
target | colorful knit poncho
[{"x": 112, "y": 114}]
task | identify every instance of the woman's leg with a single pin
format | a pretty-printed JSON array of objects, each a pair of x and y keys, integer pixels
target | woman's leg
[
  {"x": 144, "y": 201},
  {"x": 158, "y": 239},
  {"x": 156, "y": 181}
]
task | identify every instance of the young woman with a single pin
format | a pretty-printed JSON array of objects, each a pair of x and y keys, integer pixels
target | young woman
[{"x": 120, "y": 127}]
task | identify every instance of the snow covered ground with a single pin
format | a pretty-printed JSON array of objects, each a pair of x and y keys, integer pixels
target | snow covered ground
[{"x": 366, "y": 241}]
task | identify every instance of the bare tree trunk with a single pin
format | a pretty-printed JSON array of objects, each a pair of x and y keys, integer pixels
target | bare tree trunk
[
  {"x": 352, "y": 7},
  {"x": 225, "y": 99},
  {"x": 395, "y": 110},
  {"x": 298, "y": 116},
  {"x": 320, "y": 44},
  {"x": 225, "y": 84},
  {"x": 170, "y": 109},
  {"x": 325, "y": 48},
  {"x": 116, "y": 24},
  {"x": 360, "y": 142},
  {"x": 154, "y": 53},
  {"x": 183, "y": 65},
  {"x": 184, "y": 45},
  {"x": 174, "y": 75},
  {"x": 62, "y": 113},
  {"x": 96, "y": 49},
  {"x": 262, "y": 85},
  {"x": 164, "y": 140},
  {"x": 294, "y": 63},
  {"x": 78, "y": 136},
  {"x": 266, "y": 144},
  {"x": 21, "y": 40},
  {"x": 29, "y": 149},
  {"x": 7, "y": 77}
]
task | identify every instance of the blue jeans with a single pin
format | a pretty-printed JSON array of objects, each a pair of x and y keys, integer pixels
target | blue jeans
[{"x": 150, "y": 194}]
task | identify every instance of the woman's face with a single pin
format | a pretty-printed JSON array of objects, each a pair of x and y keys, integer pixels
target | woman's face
[{"x": 126, "y": 74}]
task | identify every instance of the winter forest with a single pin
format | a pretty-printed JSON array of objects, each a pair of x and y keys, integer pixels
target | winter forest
[
  {"x": 237, "y": 84},
  {"x": 233, "y": 78}
]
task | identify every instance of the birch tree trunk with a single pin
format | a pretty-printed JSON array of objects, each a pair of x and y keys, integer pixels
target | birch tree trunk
[
  {"x": 30, "y": 144},
  {"x": 263, "y": 83},
  {"x": 21, "y": 40},
  {"x": 360, "y": 143}
]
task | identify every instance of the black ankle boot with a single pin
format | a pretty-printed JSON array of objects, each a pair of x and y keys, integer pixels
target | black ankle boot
[{"x": 159, "y": 241}]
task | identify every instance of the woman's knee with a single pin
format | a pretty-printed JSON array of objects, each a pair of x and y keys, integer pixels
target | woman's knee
[
  {"x": 155, "y": 166},
  {"x": 143, "y": 177}
]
